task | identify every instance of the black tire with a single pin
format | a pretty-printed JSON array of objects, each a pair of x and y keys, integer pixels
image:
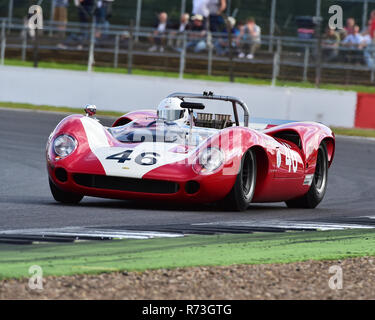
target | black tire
[
  {"x": 62, "y": 196},
  {"x": 318, "y": 186},
  {"x": 241, "y": 195}
]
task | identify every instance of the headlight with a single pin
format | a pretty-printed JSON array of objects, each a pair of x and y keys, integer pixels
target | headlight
[
  {"x": 64, "y": 145},
  {"x": 209, "y": 160}
]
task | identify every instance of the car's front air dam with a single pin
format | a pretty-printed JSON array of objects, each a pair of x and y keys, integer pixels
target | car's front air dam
[{"x": 201, "y": 189}]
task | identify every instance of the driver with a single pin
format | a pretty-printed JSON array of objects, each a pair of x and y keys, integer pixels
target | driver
[{"x": 170, "y": 109}]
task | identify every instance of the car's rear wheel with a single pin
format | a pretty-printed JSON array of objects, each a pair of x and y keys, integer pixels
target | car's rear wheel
[
  {"x": 243, "y": 190},
  {"x": 318, "y": 186},
  {"x": 63, "y": 196}
]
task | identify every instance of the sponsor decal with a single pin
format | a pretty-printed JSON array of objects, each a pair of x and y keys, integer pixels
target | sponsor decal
[{"x": 308, "y": 180}]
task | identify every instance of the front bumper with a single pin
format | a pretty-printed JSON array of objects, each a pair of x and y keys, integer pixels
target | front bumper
[{"x": 181, "y": 188}]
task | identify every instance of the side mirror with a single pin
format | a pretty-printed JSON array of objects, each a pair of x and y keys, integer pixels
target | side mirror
[{"x": 90, "y": 110}]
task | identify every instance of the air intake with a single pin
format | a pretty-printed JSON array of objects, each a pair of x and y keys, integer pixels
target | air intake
[{"x": 126, "y": 184}]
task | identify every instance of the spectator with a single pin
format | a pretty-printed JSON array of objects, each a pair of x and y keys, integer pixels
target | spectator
[
  {"x": 249, "y": 39},
  {"x": 354, "y": 39},
  {"x": 369, "y": 55},
  {"x": 372, "y": 25},
  {"x": 216, "y": 8},
  {"x": 179, "y": 29},
  {"x": 366, "y": 40},
  {"x": 103, "y": 12},
  {"x": 60, "y": 15},
  {"x": 100, "y": 13},
  {"x": 197, "y": 39},
  {"x": 353, "y": 42},
  {"x": 368, "y": 45},
  {"x": 158, "y": 36},
  {"x": 222, "y": 44},
  {"x": 349, "y": 28},
  {"x": 183, "y": 25},
  {"x": 85, "y": 10},
  {"x": 331, "y": 43},
  {"x": 200, "y": 7}
]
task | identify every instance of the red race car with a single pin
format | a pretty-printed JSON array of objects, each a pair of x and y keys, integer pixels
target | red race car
[{"x": 179, "y": 153}]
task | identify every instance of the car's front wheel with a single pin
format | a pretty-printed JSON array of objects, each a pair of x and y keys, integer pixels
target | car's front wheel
[
  {"x": 63, "y": 196},
  {"x": 242, "y": 193},
  {"x": 318, "y": 186}
]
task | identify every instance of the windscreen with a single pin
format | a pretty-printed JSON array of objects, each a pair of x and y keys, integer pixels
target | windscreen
[{"x": 166, "y": 132}]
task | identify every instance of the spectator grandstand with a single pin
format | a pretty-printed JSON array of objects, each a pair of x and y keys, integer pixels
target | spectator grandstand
[{"x": 276, "y": 46}]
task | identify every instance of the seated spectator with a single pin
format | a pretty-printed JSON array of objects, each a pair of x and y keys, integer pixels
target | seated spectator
[
  {"x": 158, "y": 36},
  {"x": 184, "y": 23},
  {"x": 179, "y": 29},
  {"x": 369, "y": 55},
  {"x": 353, "y": 42},
  {"x": 330, "y": 45},
  {"x": 366, "y": 40},
  {"x": 222, "y": 44},
  {"x": 354, "y": 39},
  {"x": 249, "y": 39},
  {"x": 348, "y": 29},
  {"x": 197, "y": 37},
  {"x": 367, "y": 44}
]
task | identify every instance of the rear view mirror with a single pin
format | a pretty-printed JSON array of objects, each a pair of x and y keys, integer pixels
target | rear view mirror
[{"x": 192, "y": 105}]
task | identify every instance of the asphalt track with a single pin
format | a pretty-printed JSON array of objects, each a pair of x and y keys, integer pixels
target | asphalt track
[{"x": 26, "y": 202}]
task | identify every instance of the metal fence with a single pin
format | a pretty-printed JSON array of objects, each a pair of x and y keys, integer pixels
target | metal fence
[
  {"x": 127, "y": 47},
  {"x": 274, "y": 16}
]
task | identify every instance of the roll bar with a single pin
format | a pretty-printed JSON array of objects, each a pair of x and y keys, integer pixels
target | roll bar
[{"x": 211, "y": 96}]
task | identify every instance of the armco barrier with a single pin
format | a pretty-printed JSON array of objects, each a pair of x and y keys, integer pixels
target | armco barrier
[
  {"x": 365, "y": 113},
  {"x": 128, "y": 92}
]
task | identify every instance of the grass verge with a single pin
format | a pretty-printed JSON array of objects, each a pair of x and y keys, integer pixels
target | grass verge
[
  {"x": 369, "y": 133},
  {"x": 247, "y": 80},
  {"x": 138, "y": 255}
]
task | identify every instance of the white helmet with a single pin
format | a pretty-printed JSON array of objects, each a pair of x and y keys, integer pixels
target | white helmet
[{"x": 170, "y": 109}]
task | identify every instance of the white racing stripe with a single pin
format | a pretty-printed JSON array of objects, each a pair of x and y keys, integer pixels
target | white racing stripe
[{"x": 96, "y": 136}]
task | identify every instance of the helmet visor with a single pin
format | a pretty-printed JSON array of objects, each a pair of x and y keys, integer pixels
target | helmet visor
[{"x": 170, "y": 115}]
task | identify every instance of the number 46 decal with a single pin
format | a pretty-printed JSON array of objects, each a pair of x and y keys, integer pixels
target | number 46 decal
[
  {"x": 144, "y": 159},
  {"x": 290, "y": 159}
]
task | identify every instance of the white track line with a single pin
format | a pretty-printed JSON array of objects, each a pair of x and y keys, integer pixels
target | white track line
[
  {"x": 290, "y": 225},
  {"x": 85, "y": 232}
]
